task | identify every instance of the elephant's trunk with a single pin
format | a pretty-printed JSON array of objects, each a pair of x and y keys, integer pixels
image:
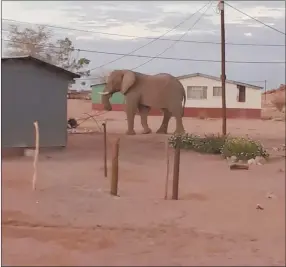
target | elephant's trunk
[{"x": 106, "y": 102}]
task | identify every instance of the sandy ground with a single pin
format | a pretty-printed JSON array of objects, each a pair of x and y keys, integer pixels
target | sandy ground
[{"x": 71, "y": 219}]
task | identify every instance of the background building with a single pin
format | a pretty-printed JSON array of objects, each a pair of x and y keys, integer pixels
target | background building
[{"x": 203, "y": 93}]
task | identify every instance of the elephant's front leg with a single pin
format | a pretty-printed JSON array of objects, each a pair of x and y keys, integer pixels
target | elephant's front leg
[
  {"x": 131, "y": 108},
  {"x": 144, "y": 111},
  {"x": 164, "y": 126}
]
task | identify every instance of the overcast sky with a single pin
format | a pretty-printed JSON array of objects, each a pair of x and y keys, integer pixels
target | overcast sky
[{"x": 152, "y": 19}]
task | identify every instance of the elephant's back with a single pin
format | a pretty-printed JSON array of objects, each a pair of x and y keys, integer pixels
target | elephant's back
[{"x": 160, "y": 90}]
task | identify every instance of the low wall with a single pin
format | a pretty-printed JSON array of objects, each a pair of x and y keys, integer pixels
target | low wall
[{"x": 199, "y": 112}]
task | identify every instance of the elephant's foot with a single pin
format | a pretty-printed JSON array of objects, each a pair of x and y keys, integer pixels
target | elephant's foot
[
  {"x": 162, "y": 131},
  {"x": 179, "y": 132},
  {"x": 147, "y": 131},
  {"x": 130, "y": 132}
]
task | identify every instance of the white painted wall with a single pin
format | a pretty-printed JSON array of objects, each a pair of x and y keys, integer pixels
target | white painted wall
[{"x": 253, "y": 96}]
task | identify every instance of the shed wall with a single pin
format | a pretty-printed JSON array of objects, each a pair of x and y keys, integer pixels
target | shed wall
[{"x": 32, "y": 92}]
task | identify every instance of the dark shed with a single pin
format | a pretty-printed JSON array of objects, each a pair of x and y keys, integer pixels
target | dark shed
[{"x": 32, "y": 90}]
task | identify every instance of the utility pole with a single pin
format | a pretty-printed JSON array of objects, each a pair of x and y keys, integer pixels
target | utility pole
[{"x": 223, "y": 76}]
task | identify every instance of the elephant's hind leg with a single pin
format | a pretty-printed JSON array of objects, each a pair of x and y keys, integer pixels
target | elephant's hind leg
[
  {"x": 164, "y": 126},
  {"x": 144, "y": 111},
  {"x": 177, "y": 113}
]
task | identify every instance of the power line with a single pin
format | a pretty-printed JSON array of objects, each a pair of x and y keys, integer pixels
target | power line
[
  {"x": 161, "y": 53},
  {"x": 142, "y": 37},
  {"x": 270, "y": 27},
  {"x": 145, "y": 56},
  {"x": 152, "y": 41}
]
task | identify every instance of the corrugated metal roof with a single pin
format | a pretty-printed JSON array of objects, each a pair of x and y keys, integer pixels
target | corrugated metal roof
[
  {"x": 56, "y": 68},
  {"x": 97, "y": 84},
  {"x": 218, "y": 79}
]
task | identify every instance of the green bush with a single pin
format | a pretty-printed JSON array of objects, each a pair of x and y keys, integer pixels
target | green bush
[
  {"x": 242, "y": 148},
  {"x": 211, "y": 144}
]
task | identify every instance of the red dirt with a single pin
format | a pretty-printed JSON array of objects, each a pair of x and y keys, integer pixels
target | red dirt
[{"x": 72, "y": 220}]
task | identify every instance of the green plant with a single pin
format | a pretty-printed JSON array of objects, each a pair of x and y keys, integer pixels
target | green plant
[
  {"x": 243, "y": 148},
  {"x": 211, "y": 143}
]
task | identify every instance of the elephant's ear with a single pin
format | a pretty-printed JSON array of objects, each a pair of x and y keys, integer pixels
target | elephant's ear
[{"x": 128, "y": 80}]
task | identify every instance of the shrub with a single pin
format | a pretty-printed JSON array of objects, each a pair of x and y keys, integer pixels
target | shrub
[
  {"x": 242, "y": 148},
  {"x": 211, "y": 144}
]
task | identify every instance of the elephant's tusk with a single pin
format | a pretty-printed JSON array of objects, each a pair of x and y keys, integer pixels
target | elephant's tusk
[{"x": 103, "y": 93}]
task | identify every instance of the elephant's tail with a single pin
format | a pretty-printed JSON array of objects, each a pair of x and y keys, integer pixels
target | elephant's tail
[{"x": 184, "y": 103}]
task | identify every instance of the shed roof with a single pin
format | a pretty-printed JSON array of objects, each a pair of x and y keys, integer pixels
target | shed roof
[
  {"x": 218, "y": 79},
  {"x": 99, "y": 83},
  {"x": 42, "y": 62}
]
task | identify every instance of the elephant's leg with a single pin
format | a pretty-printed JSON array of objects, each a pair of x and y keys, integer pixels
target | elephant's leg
[
  {"x": 177, "y": 113},
  {"x": 131, "y": 109},
  {"x": 144, "y": 111},
  {"x": 164, "y": 126}
]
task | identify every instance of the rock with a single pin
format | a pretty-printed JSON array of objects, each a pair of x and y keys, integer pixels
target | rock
[
  {"x": 260, "y": 160},
  {"x": 270, "y": 195},
  {"x": 251, "y": 161},
  {"x": 29, "y": 152},
  {"x": 278, "y": 119},
  {"x": 233, "y": 159},
  {"x": 238, "y": 166},
  {"x": 259, "y": 207}
]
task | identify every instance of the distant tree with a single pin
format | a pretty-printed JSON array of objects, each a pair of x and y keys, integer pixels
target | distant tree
[{"x": 38, "y": 42}]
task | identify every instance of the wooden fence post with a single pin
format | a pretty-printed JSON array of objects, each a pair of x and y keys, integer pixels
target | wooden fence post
[
  {"x": 114, "y": 166},
  {"x": 105, "y": 149},
  {"x": 167, "y": 167},
  {"x": 176, "y": 170}
]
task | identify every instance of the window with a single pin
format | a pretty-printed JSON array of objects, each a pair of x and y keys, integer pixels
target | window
[
  {"x": 217, "y": 91},
  {"x": 197, "y": 92},
  {"x": 241, "y": 93}
]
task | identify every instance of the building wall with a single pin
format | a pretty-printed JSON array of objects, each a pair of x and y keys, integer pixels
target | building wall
[
  {"x": 210, "y": 107},
  {"x": 31, "y": 92},
  {"x": 253, "y": 96}
]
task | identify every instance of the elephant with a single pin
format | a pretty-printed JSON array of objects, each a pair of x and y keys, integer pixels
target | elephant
[{"x": 142, "y": 92}]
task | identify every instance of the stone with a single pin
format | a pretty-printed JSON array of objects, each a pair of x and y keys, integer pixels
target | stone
[
  {"x": 251, "y": 162},
  {"x": 238, "y": 166},
  {"x": 260, "y": 160},
  {"x": 233, "y": 159},
  {"x": 270, "y": 195},
  {"x": 29, "y": 152},
  {"x": 278, "y": 119},
  {"x": 259, "y": 207}
]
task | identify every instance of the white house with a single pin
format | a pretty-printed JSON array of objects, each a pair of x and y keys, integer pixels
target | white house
[{"x": 203, "y": 94}]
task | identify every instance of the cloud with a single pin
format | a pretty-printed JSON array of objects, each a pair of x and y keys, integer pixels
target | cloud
[{"x": 154, "y": 18}]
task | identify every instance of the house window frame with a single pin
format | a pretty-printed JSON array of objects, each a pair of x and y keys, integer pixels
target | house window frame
[
  {"x": 197, "y": 86},
  {"x": 241, "y": 97},
  {"x": 215, "y": 95}
]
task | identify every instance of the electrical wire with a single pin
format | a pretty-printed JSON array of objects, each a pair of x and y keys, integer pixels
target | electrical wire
[
  {"x": 141, "y": 37},
  {"x": 261, "y": 22},
  {"x": 152, "y": 41},
  {"x": 172, "y": 44},
  {"x": 145, "y": 56}
]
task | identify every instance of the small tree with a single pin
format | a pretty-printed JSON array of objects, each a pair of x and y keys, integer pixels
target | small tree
[
  {"x": 38, "y": 42},
  {"x": 278, "y": 100}
]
